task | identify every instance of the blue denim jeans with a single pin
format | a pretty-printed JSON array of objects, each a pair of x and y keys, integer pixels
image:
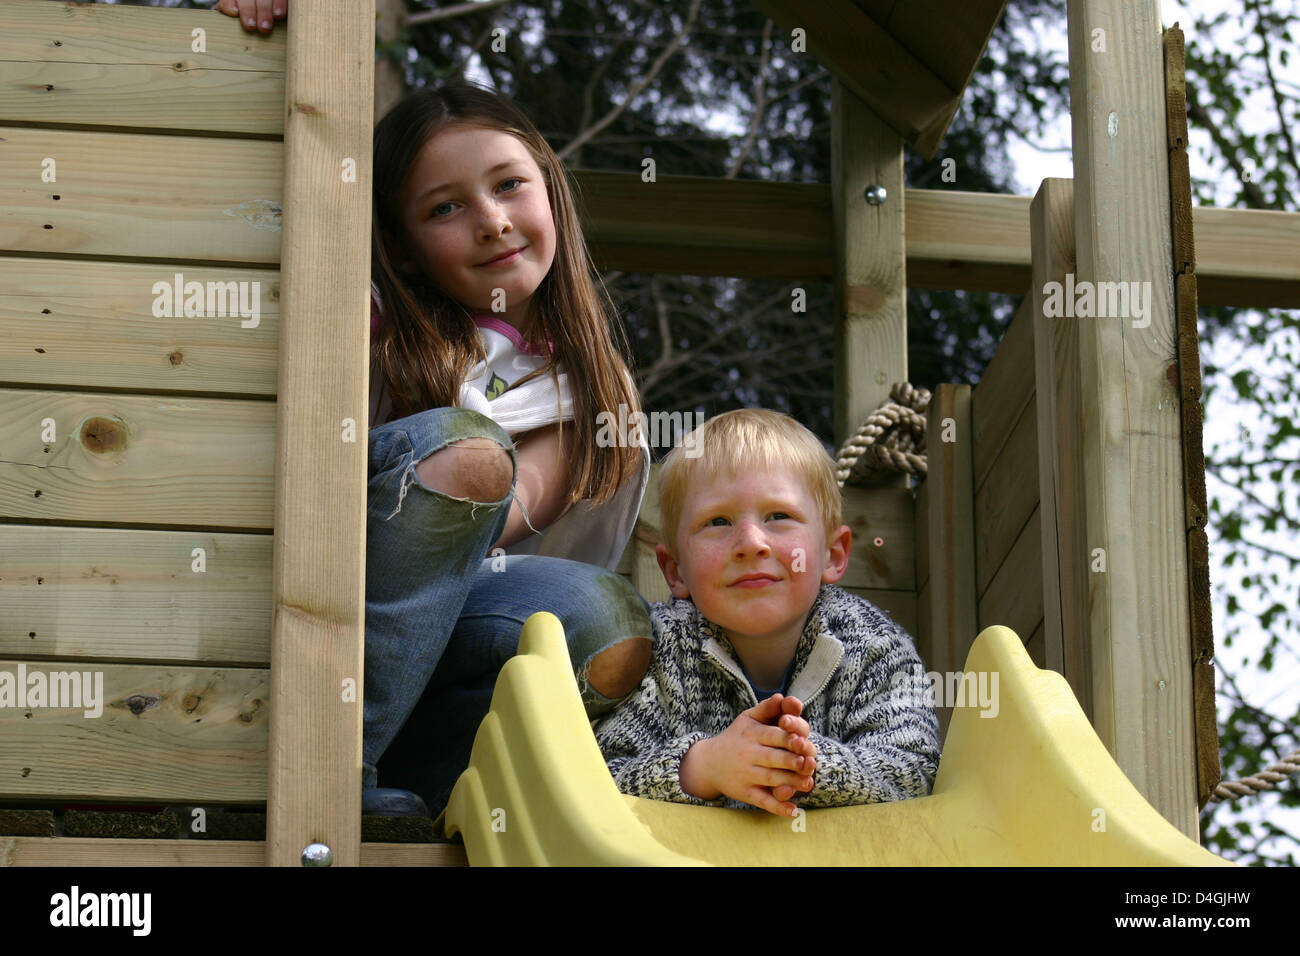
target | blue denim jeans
[{"x": 442, "y": 616}]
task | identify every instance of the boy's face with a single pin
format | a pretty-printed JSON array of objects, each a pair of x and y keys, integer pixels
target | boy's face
[{"x": 752, "y": 553}]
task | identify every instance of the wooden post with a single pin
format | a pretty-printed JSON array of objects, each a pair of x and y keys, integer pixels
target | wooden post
[
  {"x": 1129, "y": 430},
  {"x": 314, "y": 759},
  {"x": 1060, "y": 478},
  {"x": 951, "y": 528},
  {"x": 870, "y": 267}
]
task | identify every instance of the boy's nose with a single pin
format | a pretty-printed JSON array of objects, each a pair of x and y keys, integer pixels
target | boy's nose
[{"x": 750, "y": 539}]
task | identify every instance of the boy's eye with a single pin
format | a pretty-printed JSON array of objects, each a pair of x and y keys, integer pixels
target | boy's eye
[
  {"x": 780, "y": 515},
  {"x": 718, "y": 522},
  {"x": 436, "y": 209}
]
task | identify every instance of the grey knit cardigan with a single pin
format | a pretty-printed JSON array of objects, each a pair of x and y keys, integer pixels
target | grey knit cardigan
[{"x": 857, "y": 673}]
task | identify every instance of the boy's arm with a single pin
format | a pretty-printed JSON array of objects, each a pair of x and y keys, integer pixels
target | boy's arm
[
  {"x": 888, "y": 748},
  {"x": 641, "y": 747}
]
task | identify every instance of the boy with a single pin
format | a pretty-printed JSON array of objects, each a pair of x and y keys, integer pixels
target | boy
[{"x": 767, "y": 680}]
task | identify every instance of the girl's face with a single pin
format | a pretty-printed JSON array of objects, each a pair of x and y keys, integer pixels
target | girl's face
[{"x": 473, "y": 195}]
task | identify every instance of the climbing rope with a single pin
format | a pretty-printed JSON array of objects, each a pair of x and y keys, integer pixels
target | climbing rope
[
  {"x": 892, "y": 439},
  {"x": 1266, "y": 779}
]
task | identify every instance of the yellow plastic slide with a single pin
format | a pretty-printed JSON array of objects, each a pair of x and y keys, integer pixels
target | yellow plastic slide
[{"x": 1030, "y": 786}]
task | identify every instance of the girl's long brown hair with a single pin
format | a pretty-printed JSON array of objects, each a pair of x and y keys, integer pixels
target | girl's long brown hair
[{"x": 428, "y": 342}]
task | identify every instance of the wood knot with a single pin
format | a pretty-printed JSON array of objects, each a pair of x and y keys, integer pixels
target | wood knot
[
  {"x": 304, "y": 107},
  {"x": 176, "y": 358},
  {"x": 139, "y": 703},
  {"x": 102, "y": 435}
]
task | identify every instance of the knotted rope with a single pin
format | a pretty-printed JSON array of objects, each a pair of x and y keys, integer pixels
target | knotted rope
[
  {"x": 892, "y": 439},
  {"x": 1266, "y": 779}
]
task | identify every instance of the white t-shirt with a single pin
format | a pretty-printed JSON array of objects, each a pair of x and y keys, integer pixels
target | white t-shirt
[{"x": 594, "y": 534}]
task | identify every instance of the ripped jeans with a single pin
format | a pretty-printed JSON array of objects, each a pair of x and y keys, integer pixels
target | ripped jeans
[{"x": 443, "y": 617}]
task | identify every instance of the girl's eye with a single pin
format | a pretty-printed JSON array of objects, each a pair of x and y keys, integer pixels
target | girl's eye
[
  {"x": 780, "y": 515},
  {"x": 718, "y": 522},
  {"x": 435, "y": 211},
  {"x": 513, "y": 179}
]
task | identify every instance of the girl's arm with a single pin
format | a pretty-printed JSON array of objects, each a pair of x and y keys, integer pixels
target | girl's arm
[{"x": 540, "y": 481}]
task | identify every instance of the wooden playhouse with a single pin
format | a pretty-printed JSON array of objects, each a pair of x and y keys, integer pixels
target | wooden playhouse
[{"x": 182, "y": 494}]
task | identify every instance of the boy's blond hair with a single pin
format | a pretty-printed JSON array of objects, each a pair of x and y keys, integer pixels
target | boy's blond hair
[{"x": 739, "y": 441}]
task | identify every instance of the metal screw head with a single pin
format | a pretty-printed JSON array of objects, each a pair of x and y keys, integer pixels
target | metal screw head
[
  {"x": 876, "y": 194},
  {"x": 318, "y": 854}
]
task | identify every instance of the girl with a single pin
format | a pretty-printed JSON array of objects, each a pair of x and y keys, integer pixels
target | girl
[{"x": 491, "y": 358}]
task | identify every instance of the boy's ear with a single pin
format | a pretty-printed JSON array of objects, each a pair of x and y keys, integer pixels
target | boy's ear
[
  {"x": 672, "y": 574},
  {"x": 837, "y": 557}
]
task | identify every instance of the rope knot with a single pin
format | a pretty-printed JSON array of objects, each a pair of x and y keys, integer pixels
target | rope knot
[{"x": 892, "y": 439}]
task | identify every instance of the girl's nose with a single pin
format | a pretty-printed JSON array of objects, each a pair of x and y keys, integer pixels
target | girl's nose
[{"x": 494, "y": 222}]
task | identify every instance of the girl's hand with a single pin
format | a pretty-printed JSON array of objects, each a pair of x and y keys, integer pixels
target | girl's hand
[{"x": 255, "y": 14}]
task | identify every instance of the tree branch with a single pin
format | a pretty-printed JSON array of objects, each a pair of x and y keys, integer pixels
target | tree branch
[
  {"x": 638, "y": 87},
  {"x": 760, "y": 89},
  {"x": 459, "y": 10},
  {"x": 1254, "y": 195}
]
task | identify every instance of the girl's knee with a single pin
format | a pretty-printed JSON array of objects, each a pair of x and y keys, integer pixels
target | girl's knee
[
  {"x": 476, "y": 469},
  {"x": 618, "y": 669}
]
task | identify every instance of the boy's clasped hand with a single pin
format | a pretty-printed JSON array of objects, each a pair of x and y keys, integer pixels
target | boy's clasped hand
[{"x": 764, "y": 758}]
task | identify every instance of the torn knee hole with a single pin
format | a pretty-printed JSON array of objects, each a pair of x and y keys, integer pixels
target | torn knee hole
[
  {"x": 475, "y": 469},
  {"x": 617, "y": 670}
]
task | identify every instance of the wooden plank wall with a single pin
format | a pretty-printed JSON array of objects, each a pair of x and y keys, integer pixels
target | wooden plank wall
[
  {"x": 1005, "y": 468},
  {"x": 137, "y": 480}
]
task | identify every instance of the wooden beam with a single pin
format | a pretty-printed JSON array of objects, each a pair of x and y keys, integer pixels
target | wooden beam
[
  {"x": 951, "y": 526},
  {"x": 137, "y": 459},
  {"x": 698, "y": 225},
  {"x": 1013, "y": 598},
  {"x": 88, "y": 324},
  {"x": 116, "y": 198},
  {"x": 870, "y": 274},
  {"x": 1060, "y": 475},
  {"x": 163, "y": 733},
  {"x": 318, "y": 575},
  {"x": 1004, "y": 390},
  {"x": 97, "y": 65},
  {"x": 951, "y": 43},
  {"x": 889, "y": 80},
  {"x": 126, "y": 595},
  {"x": 723, "y": 226},
  {"x": 1208, "y": 770},
  {"x": 1007, "y": 497},
  {"x": 1130, "y": 434},
  {"x": 67, "y": 851}
]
